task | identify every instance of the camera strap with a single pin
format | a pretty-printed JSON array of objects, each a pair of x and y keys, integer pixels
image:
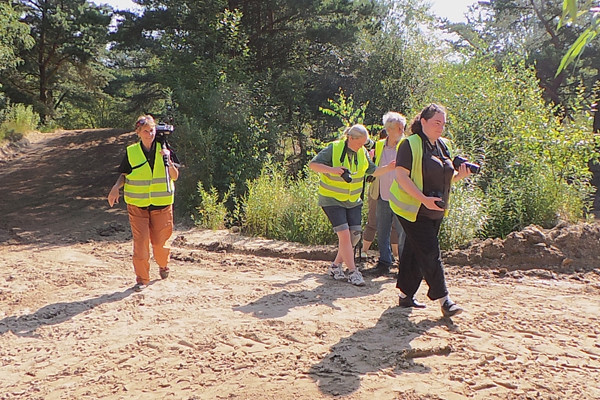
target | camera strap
[
  {"x": 344, "y": 155},
  {"x": 137, "y": 166},
  {"x": 442, "y": 148},
  {"x": 444, "y": 155}
]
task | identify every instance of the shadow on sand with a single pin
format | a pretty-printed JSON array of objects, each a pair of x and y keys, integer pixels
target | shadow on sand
[
  {"x": 278, "y": 304},
  {"x": 53, "y": 314},
  {"x": 385, "y": 346}
]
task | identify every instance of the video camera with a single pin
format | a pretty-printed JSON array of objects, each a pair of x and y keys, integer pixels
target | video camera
[{"x": 162, "y": 130}]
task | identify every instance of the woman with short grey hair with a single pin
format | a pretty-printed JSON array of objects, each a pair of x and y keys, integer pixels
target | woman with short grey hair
[
  {"x": 343, "y": 165},
  {"x": 385, "y": 152}
]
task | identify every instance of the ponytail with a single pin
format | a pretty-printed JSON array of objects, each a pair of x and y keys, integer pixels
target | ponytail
[{"x": 426, "y": 113}]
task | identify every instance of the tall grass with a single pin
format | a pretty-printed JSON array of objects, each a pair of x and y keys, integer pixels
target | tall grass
[
  {"x": 17, "y": 120},
  {"x": 466, "y": 216},
  {"x": 211, "y": 212},
  {"x": 279, "y": 207}
]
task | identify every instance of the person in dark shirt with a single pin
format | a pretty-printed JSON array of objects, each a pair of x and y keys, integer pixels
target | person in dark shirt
[
  {"x": 149, "y": 193},
  {"x": 420, "y": 194}
]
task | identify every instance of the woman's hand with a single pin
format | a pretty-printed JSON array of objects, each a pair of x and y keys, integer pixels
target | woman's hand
[
  {"x": 429, "y": 202},
  {"x": 385, "y": 169},
  {"x": 463, "y": 172},
  {"x": 337, "y": 170},
  {"x": 326, "y": 169},
  {"x": 113, "y": 196}
]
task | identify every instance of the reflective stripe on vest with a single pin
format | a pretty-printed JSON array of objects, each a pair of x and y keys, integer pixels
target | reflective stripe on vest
[
  {"x": 334, "y": 185},
  {"x": 402, "y": 203},
  {"x": 143, "y": 186}
]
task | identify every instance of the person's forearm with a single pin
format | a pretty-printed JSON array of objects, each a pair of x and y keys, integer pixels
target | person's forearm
[
  {"x": 173, "y": 172},
  {"x": 321, "y": 168},
  {"x": 120, "y": 181}
]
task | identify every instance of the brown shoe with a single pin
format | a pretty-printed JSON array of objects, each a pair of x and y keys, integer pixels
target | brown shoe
[
  {"x": 409, "y": 302},
  {"x": 163, "y": 272}
]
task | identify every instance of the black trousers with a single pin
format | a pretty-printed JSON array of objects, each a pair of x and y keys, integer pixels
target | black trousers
[{"x": 421, "y": 258}]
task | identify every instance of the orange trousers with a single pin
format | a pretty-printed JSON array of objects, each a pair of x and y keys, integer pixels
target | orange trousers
[{"x": 147, "y": 227}]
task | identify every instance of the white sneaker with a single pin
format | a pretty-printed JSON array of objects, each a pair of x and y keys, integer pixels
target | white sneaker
[
  {"x": 336, "y": 272},
  {"x": 356, "y": 278}
]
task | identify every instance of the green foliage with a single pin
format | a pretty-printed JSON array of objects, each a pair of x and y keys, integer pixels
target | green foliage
[
  {"x": 15, "y": 36},
  {"x": 344, "y": 110},
  {"x": 534, "y": 169},
  {"x": 528, "y": 30},
  {"x": 466, "y": 217},
  {"x": 394, "y": 71},
  {"x": 543, "y": 200},
  {"x": 570, "y": 14},
  {"x": 278, "y": 207},
  {"x": 70, "y": 37},
  {"x": 211, "y": 212},
  {"x": 17, "y": 120}
]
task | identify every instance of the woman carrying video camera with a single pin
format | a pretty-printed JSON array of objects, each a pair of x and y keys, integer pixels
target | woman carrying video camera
[
  {"x": 419, "y": 197},
  {"x": 343, "y": 165},
  {"x": 149, "y": 193}
]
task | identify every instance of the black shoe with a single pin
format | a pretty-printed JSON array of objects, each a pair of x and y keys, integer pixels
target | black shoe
[
  {"x": 408, "y": 302},
  {"x": 379, "y": 270},
  {"x": 450, "y": 309},
  {"x": 139, "y": 287}
]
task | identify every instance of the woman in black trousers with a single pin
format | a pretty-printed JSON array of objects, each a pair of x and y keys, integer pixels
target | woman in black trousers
[{"x": 419, "y": 196}]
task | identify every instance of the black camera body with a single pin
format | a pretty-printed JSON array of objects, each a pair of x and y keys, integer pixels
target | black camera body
[
  {"x": 458, "y": 161},
  {"x": 346, "y": 175},
  {"x": 164, "y": 129},
  {"x": 439, "y": 203}
]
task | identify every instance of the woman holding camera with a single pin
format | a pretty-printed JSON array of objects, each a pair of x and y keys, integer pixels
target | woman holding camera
[
  {"x": 419, "y": 197},
  {"x": 149, "y": 194},
  {"x": 343, "y": 165}
]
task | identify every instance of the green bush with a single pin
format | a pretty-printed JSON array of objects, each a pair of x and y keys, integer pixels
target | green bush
[
  {"x": 17, "y": 120},
  {"x": 534, "y": 166},
  {"x": 544, "y": 201},
  {"x": 211, "y": 212},
  {"x": 466, "y": 216},
  {"x": 278, "y": 207}
]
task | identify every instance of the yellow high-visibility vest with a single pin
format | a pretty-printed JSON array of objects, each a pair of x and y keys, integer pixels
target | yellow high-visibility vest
[
  {"x": 144, "y": 186},
  {"x": 335, "y": 186},
  {"x": 402, "y": 203},
  {"x": 379, "y": 145}
]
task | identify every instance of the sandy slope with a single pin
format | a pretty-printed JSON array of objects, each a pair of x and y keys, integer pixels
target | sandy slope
[{"x": 239, "y": 322}]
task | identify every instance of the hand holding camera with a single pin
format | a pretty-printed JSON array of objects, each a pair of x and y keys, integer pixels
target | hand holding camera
[
  {"x": 440, "y": 203},
  {"x": 458, "y": 161},
  {"x": 346, "y": 175}
]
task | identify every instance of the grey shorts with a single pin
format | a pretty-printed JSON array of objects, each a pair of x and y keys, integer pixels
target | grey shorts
[{"x": 344, "y": 218}]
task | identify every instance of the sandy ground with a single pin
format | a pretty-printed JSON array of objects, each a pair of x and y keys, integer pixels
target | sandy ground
[{"x": 253, "y": 319}]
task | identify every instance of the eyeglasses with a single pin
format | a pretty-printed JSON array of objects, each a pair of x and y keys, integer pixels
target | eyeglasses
[{"x": 140, "y": 122}]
